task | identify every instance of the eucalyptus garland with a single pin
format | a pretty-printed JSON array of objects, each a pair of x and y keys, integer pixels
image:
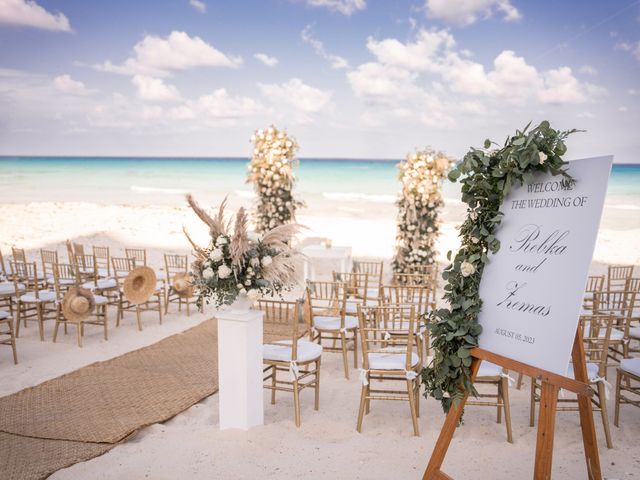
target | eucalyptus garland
[
  {"x": 486, "y": 177},
  {"x": 271, "y": 171},
  {"x": 418, "y": 228}
]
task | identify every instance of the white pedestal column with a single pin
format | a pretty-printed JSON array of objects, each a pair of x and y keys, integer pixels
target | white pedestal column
[{"x": 240, "y": 369}]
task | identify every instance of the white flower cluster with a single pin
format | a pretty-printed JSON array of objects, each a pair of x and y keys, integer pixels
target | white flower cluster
[
  {"x": 271, "y": 171},
  {"x": 421, "y": 175}
]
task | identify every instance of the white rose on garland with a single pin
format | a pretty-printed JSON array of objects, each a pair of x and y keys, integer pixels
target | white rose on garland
[
  {"x": 207, "y": 273},
  {"x": 216, "y": 255},
  {"x": 467, "y": 268},
  {"x": 224, "y": 271}
]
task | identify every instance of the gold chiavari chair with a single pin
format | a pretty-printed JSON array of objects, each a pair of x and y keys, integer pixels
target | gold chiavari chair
[
  {"x": 326, "y": 304},
  {"x": 596, "y": 333},
  {"x": 433, "y": 272},
  {"x": 7, "y": 286},
  {"x": 617, "y": 276},
  {"x": 594, "y": 287},
  {"x": 375, "y": 271},
  {"x": 629, "y": 372},
  {"x": 49, "y": 260},
  {"x": 389, "y": 358},
  {"x": 65, "y": 273},
  {"x": 494, "y": 375},
  {"x": 174, "y": 264},
  {"x": 86, "y": 266},
  {"x": 70, "y": 254},
  {"x": 357, "y": 288},
  {"x": 618, "y": 303},
  {"x": 102, "y": 259},
  {"x": 285, "y": 352},
  {"x": 18, "y": 254},
  {"x": 78, "y": 249},
  {"x": 633, "y": 325},
  {"x": 121, "y": 268},
  {"x": 138, "y": 254},
  {"x": 35, "y": 302}
]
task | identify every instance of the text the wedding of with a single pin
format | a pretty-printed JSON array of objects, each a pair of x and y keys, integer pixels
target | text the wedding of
[{"x": 533, "y": 288}]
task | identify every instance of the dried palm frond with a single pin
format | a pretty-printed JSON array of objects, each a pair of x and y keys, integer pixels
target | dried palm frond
[
  {"x": 281, "y": 270},
  {"x": 240, "y": 239},
  {"x": 280, "y": 235},
  {"x": 199, "y": 250},
  {"x": 220, "y": 229},
  {"x": 216, "y": 225}
]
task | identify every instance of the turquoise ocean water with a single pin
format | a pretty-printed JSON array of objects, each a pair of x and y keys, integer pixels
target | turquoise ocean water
[{"x": 349, "y": 187}]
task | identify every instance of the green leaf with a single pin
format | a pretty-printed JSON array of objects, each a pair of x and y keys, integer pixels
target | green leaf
[{"x": 487, "y": 143}]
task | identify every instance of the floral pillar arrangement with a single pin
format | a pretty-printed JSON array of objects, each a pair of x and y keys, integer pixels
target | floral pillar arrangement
[
  {"x": 238, "y": 264},
  {"x": 271, "y": 172},
  {"x": 421, "y": 175},
  {"x": 487, "y": 175}
]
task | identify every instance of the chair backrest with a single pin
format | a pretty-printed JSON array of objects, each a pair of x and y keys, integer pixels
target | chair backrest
[
  {"x": 416, "y": 295},
  {"x": 596, "y": 335},
  {"x": 617, "y": 276},
  {"x": 138, "y": 254},
  {"x": 282, "y": 321},
  {"x": 326, "y": 298},
  {"x": 102, "y": 258},
  {"x": 122, "y": 266},
  {"x": 412, "y": 279},
  {"x": 18, "y": 254},
  {"x": 49, "y": 259},
  {"x": 25, "y": 274},
  {"x": 63, "y": 274},
  {"x": 614, "y": 302},
  {"x": 357, "y": 283},
  {"x": 174, "y": 263},
  {"x": 374, "y": 269},
  {"x": 595, "y": 283},
  {"x": 633, "y": 285},
  {"x": 375, "y": 323},
  {"x": 86, "y": 264},
  {"x": 78, "y": 249}
]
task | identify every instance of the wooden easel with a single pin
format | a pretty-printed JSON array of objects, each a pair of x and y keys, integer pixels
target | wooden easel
[{"x": 551, "y": 384}]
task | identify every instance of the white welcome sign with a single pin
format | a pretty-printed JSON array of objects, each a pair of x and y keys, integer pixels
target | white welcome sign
[{"x": 532, "y": 289}]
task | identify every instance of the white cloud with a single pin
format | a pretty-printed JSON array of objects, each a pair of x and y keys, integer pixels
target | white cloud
[
  {"x": 336, "y": 61},
  {"x": 467, "y": 12},
  {"x": 346, "y": 7},
  {"x": 266, "y": 59},
  {"x": 297, "y": 94},
  {"x": 633, "y": 91},
  {"x": 588, "y": 70},
  {"x": 560, "y": 86},
  {"x": 156, "y": 56},
  {"x": 199, "y": 5},
  {"x": 623, "y": 109},
  {"x": 633, "y": 48},
  {"x": 220, "y": 105},
  {"x": 66, "y": 84},
  {"x": 28, "y": 13},
  {"x": 152, "y": 89}
]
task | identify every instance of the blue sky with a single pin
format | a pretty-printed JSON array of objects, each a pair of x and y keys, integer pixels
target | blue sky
[{"x": 347, "y": 78}]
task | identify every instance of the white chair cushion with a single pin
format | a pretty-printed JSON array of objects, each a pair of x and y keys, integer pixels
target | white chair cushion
[
  {"x": 391, "y": 360},
  {"x": 4, "y": 314},
  {"x": 488, "y": 369},
  {"x": 371, "y": 292},
  {"x": 634, "y": 333},
  {"x": 103, "y": 272},
  {"x": 63, "y": 281},
  {"x": 43, "y": 296},
  {"x": 101, "y": 284},
  {"x": 7, "y": 288},
  {"x": 100, "y": 300},
  {"x": 616, "y": 334},
  {"x": 333, "y": 323},
  {"x": 631, "y": 365},
  {"x": 281, "y": 351},
  {"x": 592, "y": 371},
  {"x": 352, "y": 305}
]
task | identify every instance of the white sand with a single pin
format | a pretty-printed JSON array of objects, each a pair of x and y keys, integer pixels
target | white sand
[{"x": 327, "y": 445}]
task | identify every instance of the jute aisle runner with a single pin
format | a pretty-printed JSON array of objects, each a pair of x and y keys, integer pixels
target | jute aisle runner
[{"x": 87, "y": 412}]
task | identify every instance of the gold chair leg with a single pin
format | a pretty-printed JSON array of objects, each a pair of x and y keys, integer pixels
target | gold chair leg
[
  {"x": 507, "y": 408},
  {"x": 40, "y": 321},
  {"x": 160, "y": 307},
  {"x": 79, "y": 333},
  {"x": 355, "y": 348},
  {"x": 343, "y": 338},
  {"x": 412, "y": 407},
  {"x": 13, "y": 342},
  {"x": 106, "y": 326},
  {"x": 602, "y": 400},
  {"x": 55, "y": 330},
  {"x": 18, "y": 310},
  {"x": 616, "y": 415},
  {"x": 499, "y": 406},
  {"x": 296, "y": 402},
  {"x": 363, "y": 401},
  {"x": 138, "y": 318},
  {"x": 274, "y": 370},
  {"x": 317, "y": 389}
]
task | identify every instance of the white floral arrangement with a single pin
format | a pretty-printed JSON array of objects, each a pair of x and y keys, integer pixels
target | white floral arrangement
[
  {"x": 240, "y": 262},
  {"x": 271, "y": 171},
  {"x": 421, "y": 174}
]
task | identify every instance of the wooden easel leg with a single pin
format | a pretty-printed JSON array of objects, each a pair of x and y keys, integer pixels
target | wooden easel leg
[
  {"x": 451, "y": 422},
  {"x": 546, "y": 426},
  {"x": 586, "y": 412}
]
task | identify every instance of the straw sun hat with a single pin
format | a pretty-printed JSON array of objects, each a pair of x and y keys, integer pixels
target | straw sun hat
[
  {"x": 139, "y": 285},
  {"x": 77, "y": 304},
  {"x": 182, "y": 285}
]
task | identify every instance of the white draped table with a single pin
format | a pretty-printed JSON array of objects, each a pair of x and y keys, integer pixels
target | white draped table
[{"x": 337, "y": 256}]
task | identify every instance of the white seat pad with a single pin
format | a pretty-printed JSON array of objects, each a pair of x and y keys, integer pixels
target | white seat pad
[
  {"x": 100, "y": 300},
  {"x": 371, "y": 292},
  {"x": 101, "y": 284},
  {"x": 631, "y": 365},
  {"x": 488, "y": 369},
  {"x": 592, "y": 371},
  {"x": 103, "y": 272},
  {"x": 391, "y": 360},
  {"x": 281, "y": 351},
  {"x": 43, "y": 296},
  {"x": 62, "y": 281},
  {"x": 4, "y": 314},
  {"x": 616, "y": 334},
  {"x": 634, "y": 333},
  {"x": 7, "y": 288},
  {"x": 333, "y": 323}
]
